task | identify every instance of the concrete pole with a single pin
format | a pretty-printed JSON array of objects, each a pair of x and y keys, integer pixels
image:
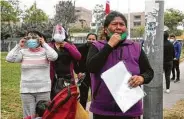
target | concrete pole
[
  {"x": 129, "y": 20},
  {"x": 153, "y": 102}
]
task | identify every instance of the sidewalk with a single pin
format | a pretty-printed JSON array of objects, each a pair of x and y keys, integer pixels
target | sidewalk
[{"x": 177, "y": 90}]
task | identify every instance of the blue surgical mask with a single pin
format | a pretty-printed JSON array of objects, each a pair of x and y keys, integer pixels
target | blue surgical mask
[{"x": 32, "y": 43}]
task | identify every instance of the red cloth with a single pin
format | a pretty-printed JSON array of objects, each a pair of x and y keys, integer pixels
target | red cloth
[
  {"x": 28, "y": 117},
  {"x": 107, "y": 7},
  {"x": 65, "y": 111}
]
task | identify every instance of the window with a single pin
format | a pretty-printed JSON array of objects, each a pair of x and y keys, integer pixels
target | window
[
  {"x": 137, "y": 17},
  {"x": 99, "y": 24},
  {"x": 137, "y": 23},
  {"x": 77, "y": 11},
  {"x": 93, "y": 24}
]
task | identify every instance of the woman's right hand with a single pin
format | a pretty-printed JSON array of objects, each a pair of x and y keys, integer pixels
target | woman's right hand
[
  {"x": 22, "y": 42},
  {"x": 81, "y": 75},
  {"x": 114, "y": 40}
]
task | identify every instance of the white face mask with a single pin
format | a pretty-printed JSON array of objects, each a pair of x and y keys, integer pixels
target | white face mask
[
  {"x": 59, "y": 37},
  {"x": 59, "y": 33},
  {"x": 172, "y": 40}
]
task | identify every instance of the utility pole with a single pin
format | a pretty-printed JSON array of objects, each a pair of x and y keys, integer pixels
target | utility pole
[
  {"x": 129, "y": 20},
  {"x": 154, "y": 17}
]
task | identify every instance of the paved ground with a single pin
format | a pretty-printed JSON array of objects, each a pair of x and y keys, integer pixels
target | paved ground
[
  {"x": 176, "y": 94},
  {"x": 177, "y": 90}
]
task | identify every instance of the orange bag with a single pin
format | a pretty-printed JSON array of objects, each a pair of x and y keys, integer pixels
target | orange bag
[{"x": 81, "y": 113}]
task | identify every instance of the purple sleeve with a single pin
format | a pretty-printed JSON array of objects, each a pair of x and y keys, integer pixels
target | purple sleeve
[{"x": 73, "y": 51}]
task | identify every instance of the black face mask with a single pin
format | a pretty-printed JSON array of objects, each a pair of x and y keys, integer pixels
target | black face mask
[{"x": 88, "y": 43}]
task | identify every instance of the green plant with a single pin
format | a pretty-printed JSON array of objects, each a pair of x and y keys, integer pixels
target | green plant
[{"x": 10, "y": 96}]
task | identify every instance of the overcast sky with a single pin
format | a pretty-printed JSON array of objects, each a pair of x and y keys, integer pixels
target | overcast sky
[{"x": 119, "y": 5}]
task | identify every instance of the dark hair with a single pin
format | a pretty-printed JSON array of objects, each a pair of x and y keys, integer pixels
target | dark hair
[
  {"x": 172, "y": 35},
  {"x": 41, "y": 106},
  {"x": 91, "y": 34},
  {"x": 66, "y": 35},
  {"x": 166, "y": 35},
  {"x": 110, "y": 17},
  {"x": 38, "y": 33}
]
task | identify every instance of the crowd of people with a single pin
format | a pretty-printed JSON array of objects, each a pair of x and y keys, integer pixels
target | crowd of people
[{"x": 48, "y": 68}]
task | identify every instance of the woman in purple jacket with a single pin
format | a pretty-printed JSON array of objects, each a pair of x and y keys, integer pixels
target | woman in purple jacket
[
  {"x": 105, "y": 54},
  {"x": 62, "y": 68}
]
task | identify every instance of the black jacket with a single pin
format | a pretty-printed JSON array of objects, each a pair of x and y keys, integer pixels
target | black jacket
[
  {"x": 80, "y": 66},
  {"x": 168, "y": 51}
]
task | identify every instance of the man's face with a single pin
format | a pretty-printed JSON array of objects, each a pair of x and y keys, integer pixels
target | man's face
[
  {"x": 173, "y": 38},
  {"x": 116, "y": 26}
]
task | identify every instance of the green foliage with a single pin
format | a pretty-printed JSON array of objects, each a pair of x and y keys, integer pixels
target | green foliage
[
  {"x": 8, "y": 12},
  {"x": 10, "y": 96},
  {"x": 137, "y": 31},
  {"x": 99, "y": 13},
  {"x": 176, "y": 32},
  {"x": 172, "y": 18},
  {"x": 65, "y": 13},
  {"x": 35, "y": 15}
]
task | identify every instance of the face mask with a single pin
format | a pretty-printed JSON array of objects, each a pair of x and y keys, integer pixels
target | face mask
[
  {"x": 89, "y": 42},
  {"x": 172, "y": 40},
  {"x": 123, "y": 35},
  {"x": 58, "y": 37},
  {"x": 32, "y": 43},
  {"x": 59, "y": 33}
]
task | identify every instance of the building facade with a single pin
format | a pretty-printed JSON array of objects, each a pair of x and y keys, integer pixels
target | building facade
[
  {"x": 84, "y": 17},
  {"x": 136, "y": 19}
]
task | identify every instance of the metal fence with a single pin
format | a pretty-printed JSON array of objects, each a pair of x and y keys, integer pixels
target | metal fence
[{"x": 8, "y": 44}]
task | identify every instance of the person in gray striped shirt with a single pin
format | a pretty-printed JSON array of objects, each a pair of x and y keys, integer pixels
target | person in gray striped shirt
[{"x": 35, "y": 55}]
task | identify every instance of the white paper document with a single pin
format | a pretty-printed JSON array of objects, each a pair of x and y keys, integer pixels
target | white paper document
[{"x": 116, "y": 79}]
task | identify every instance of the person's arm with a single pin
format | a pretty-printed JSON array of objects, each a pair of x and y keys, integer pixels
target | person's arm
[
  {"x": 73, "y": 51},
  {"x": 173, "y": 51},
  {"x": 50, "y": 52},
  {"x": 145, "y": 69},
  {"x": 178, "y": 52},
  {"x": 14, "y": 55},
  {"x": 96, "y": 59}
]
